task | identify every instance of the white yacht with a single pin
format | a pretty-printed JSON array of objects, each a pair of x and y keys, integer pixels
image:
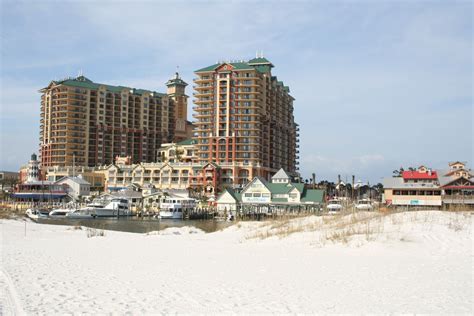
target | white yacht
[
  {"x": 99, "y": 208},
  {"x": 334, "y": 205},
  {"x": 174, "y": 207},
  {"x": 60, "y": 212},
  {"x": 80, "y": 214},
  {"x": 113, "y": 208},
  {"x": 364, "y": 204}
]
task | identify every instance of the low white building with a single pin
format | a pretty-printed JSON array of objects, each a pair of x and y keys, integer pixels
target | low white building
[
  {"x": 228, "y": 200},
  {"x": 77, "y": 187}
]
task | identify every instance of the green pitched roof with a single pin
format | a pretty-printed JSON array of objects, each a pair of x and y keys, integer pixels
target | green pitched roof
[
  {"x": 83, "y": 82},
  {"x": 185, "y": 142},
  {"x": 315, "y": 196},
  {"x": 279, "y": 188},
  {"x": 262, "y": 68},
  {"x": 299, "y": 186},
  {"x": 236, "y": 195},
  {"x": 176, "y": 81},
  {"x": 260, "y": 61},
  {"x": 260, "y": 64},
  {"x": 208, "y": 68}
]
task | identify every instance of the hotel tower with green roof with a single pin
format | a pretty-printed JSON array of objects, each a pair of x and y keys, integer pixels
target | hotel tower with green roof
[
  {"x": 244, "y": 120},
  {"x": 84, "y": 123}
]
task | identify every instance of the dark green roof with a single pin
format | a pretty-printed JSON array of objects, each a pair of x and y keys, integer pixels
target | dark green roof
[
  {"x": 236, "y": 195},
  {"x": 260, "y": 61},
  {"x": 185, "y": 142},
  {"x": 315, "y": 196},
  {"x": 279, "y": 188},
  {"x": 83, "y": 82},
  {"x": 260, "y": 64},
  {"x": 299, "y": 186},
  {"x": 176, "y": 81},
  {"x": 262, "y": 68},
  {"x": 238, "y": 66},
  {"x": 208, "y": 68}
]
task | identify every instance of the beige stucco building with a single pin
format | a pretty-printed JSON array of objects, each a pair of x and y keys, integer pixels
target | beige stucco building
[{"x": 84, "y": 123}]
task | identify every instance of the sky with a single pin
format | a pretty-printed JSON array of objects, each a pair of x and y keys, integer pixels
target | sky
[{"x": 377, "y": 84}]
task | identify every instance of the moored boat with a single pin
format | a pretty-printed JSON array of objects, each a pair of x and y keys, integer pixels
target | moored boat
[
  {"x": 175, "y": 207},
  {"x": 60, "y": 212},
  {"x": 80, "y": 214}
]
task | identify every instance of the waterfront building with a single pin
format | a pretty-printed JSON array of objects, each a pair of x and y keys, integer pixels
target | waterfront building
[
  {"x": 34, "y": 188},
  {"x": 177, "y": 167},
  {"x": 228, "y": 200},
  {"x": 76, "y": 187},
  {"x": 419, "y": 187},
  {"x": 427, "y": 187},
  {"x": 85, "y": 123},
  {"x": 457, "y": 184},
  {"x": 278, "y": 194},
  {"x": 95, "y": 178},
  {"x": 244, "y": 118}
]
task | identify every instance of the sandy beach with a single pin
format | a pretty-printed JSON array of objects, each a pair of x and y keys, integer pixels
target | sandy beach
[{"x": 414, "y": 262}]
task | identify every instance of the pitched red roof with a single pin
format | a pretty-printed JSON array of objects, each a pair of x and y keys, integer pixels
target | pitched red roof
[{"x": 419, "y": 175}]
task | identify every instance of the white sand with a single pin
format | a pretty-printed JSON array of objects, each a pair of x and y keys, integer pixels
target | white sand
[{"x": 419, "y": 262}]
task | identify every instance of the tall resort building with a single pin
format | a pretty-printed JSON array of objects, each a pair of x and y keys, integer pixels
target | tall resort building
[
  {"x": 84, "y": 123},
  {"x": 244, "y": 120}
]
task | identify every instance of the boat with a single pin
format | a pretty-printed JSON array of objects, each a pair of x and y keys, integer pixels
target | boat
[
  {"x": 116, "y": 207},
  {"x": 334, "y": 205},
  {"x": 35, "y": 213},
  {"x": 80, "y": 214},
  {"x": 100, "y": 208},
  {"x": 174, "y": 207},
  {"x": 364, "y": 204},
  {"x": 60, "y": 212}
]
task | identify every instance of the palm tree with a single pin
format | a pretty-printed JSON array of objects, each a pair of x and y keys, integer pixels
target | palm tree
[{"x": 398, "y": 173}]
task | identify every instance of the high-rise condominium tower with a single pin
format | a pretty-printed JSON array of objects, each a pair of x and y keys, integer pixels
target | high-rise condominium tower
[
  {"x": 244, "y": 117},
  {"x": 87, "y": 124}
]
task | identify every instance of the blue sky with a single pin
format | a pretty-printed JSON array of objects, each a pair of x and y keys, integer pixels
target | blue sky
[{"x": 378, "y": 85}]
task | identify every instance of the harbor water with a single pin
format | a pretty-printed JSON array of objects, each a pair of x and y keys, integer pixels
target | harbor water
[{"x": 137, "y": 224}]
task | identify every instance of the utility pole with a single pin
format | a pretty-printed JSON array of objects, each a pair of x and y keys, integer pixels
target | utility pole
[
  {"x": 73, "y": 164},
  {"x": 352, "y": 189}
]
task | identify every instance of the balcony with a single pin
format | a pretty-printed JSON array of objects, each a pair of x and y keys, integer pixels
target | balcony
[{"x": 203, "y": 79}]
